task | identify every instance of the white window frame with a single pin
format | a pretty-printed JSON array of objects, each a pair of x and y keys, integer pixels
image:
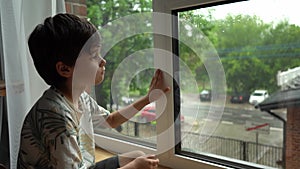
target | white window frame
[{"x": 167, "y": 136}]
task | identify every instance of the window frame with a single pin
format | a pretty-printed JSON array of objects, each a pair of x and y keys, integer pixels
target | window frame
[
  {"x": 175, "y": 50},
  {"x": 167, "y": 131}
]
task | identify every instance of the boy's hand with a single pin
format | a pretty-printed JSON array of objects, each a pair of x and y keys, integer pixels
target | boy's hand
[
  {"x": 157, "y": 86},
  {"x": 146, "y": 162}
]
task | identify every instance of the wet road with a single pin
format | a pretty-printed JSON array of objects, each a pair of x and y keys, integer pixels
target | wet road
[{"x": 231, "y": 114}]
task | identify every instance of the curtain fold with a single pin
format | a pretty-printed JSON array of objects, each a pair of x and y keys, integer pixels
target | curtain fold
[
  {"x": 4, "y": 146},
  {"x": 23, "y": 84},
  {"x": 1, "y": 77}
]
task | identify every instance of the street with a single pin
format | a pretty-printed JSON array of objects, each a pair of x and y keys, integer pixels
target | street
[{"x": 231, "y": 123}]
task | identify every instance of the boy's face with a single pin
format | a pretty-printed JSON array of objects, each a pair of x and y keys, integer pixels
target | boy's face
[{"x": 90, "y": 67}]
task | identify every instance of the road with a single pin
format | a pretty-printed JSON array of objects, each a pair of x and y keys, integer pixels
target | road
[
  {"x": 231, "y": 122},
  {"x": 232, "y": 113}
]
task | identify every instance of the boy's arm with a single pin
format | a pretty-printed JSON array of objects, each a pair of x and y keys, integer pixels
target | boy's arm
[
  {"x": 156, "y": 90},
  {"x": 115, "y": 119}
]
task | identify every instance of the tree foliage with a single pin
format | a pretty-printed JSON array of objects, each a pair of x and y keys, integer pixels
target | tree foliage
[
  {"x": 252, "y": 51},
  {"x": 103, "y": 12}
]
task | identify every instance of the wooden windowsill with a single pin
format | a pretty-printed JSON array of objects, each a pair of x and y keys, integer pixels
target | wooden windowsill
[
  {"x": 101, "y": 154},
  {"x": 2, "y": 88},
  {"x": 2, "y": 92}
]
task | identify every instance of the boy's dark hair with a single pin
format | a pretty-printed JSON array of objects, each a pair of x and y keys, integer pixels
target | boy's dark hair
[{"x": 59, "y": 38}]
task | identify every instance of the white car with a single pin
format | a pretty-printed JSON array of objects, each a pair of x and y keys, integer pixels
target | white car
[
  {"x": 127, "y": 100},
  {"x": 258, "y": 96}
]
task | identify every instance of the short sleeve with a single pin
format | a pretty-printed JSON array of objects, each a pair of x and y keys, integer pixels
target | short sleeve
[{"x": 98, "y": 113}]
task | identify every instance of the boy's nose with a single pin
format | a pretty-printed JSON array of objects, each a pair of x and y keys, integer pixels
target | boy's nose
[{"x": 102, "y": 62}]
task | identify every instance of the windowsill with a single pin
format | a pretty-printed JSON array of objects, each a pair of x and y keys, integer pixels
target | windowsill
[
  {"x": 2, "y": 88},
  {"x": 2, "y": 92},
  {"x": 102, "y": 154}
]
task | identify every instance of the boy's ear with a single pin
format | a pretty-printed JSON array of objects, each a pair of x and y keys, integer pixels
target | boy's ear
[{"x": 64, "y": 70}]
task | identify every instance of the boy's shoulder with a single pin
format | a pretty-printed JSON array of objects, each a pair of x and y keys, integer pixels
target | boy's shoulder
[
  {"x": 50, "y": 101},
  {"x": 51, "y": 97}
]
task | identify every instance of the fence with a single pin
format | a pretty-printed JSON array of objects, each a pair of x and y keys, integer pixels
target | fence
[
  {"x": 266, "y": 155},
  {"x": 242, "y": 150}
]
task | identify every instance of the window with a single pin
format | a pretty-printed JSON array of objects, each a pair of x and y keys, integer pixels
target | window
[
  {"x": 253, "y": 46},
  {"x": 129, "y": 67},
  {"x": 217, "y": 54}
]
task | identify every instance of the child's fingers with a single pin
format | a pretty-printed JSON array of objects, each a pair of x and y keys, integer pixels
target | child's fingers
[
  {"x": 167, "y": 89},
  {"x": 159, "y": 74},
  {"x": 151, "y": 156},
  {"x": 153, "y": 162}
]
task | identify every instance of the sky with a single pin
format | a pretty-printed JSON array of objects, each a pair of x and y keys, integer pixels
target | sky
[{"x": 267, "y": 10}]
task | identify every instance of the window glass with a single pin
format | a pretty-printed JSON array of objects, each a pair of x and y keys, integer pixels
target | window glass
[
  {"x": 253, "y": 40},
  {"x": 129, "y": 66}
]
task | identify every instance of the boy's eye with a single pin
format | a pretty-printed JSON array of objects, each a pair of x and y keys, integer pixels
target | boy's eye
[
  {"x": 95, "y": 53},
  {"x": 96, "y": 56}
]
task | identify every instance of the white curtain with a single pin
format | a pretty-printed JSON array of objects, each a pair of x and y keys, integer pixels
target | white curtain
[{"x": 23, "y": 84}]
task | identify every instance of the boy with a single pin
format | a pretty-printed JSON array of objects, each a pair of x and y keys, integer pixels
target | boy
[{"x": 58, "y": 130}]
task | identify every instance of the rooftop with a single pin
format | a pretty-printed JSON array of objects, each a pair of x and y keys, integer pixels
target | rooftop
[{"x": 281, "y": 99}]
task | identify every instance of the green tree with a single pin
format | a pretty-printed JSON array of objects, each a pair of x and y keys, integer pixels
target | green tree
[
  {"x": 281, "y": 49},
  {"x": 103, "y": 12},
  {"x": 237, "y": 39},
  {"x": 252, "y": 51},
  {"x": 193, "y": 25}
]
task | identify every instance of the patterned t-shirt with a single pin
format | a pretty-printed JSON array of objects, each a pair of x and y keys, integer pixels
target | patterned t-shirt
[{"x": 56, "y": 135}]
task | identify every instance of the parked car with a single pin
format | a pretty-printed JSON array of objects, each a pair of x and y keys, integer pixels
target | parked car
[
  {"x": 258, "y": 96},
  {"x": 239, "y": 97},
  {"x": 127, "y": 100},
  {"x": 205, "y": 95},
  {"x": 148, "y": 114}
]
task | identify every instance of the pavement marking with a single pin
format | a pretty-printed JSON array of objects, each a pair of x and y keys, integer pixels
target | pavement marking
[
  {"x": 226, "y": 122},
  {"x": 276, "y": 129},
  {"x": 226, "y": 113},
  {"x": 267, "y": 118},
  {"x": 246, "y": 115}
]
